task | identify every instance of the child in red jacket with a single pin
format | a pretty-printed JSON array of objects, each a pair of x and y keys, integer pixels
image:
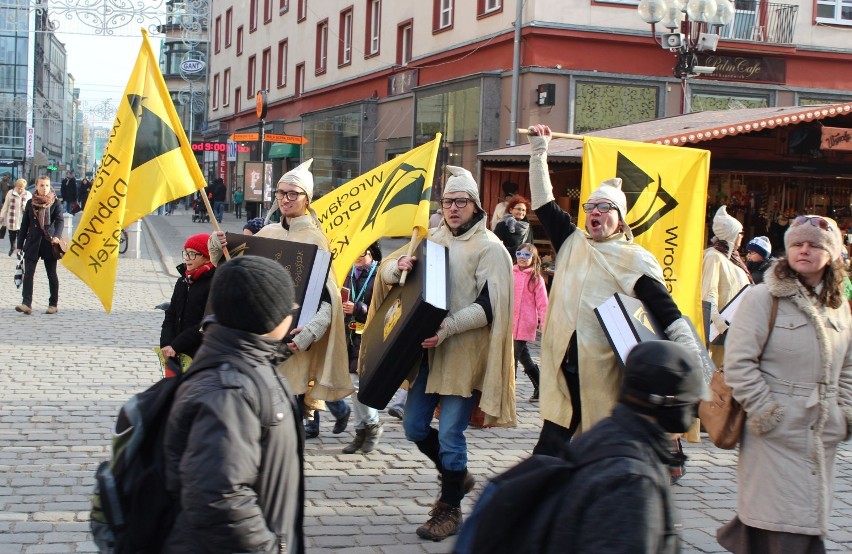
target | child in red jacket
[{"x": 530, "y": 308}]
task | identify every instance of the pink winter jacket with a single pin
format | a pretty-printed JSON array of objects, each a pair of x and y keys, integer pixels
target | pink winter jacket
[{"x": 530, "y": 307}]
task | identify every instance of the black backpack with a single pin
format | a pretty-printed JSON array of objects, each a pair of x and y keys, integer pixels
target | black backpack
[
  {"x": 516, "y": 510},
  {"x": 132, "y": 512}
]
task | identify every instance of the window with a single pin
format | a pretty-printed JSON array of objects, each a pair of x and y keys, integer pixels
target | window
[
  {"x": 834, "y": 11},
  {"x": 251, "y": 77},
  {"x": 229, "y": 22},
  {"x": 283, "y": 6},
  {"x": 442, "y": 15},
  {"x": 488, "y": 7},
  {"x": 282, "y": 64},
  {"x": 217, "y": 34},
  {"x": 265, "y": 69},
  {"x": 226, "y": 87},
  {"x": 374, "y": 21},
  {"x": 252, "y": 16},
  {"x": 300, "y": 79},
  {"x": 267, "y": 11},
  {"x": 240, "y": 40},
  {"x": 601, "y": 105},
  {"x": 215, "y": 99},
  {"x": 302, "y": 13},
  {"x": 238, "y": 100},
  {"x": 344, "y": 53},
  {"x": 322, "y": 47},
  {"x": 403, "y": 42}
]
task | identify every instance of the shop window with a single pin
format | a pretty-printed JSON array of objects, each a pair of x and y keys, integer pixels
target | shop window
[
  {"x": 604, "y": 105},
  {"x": 374, "y": 20},
  {"x": 344, "y": 53},
  {"x": 404, "y": 42},
  {"x": 815, "y": 101},
  {"x": 838, "y": 12},
  {"x": 322, "y": 48},
  {"x": 455, "y": 114},
  {"x": 229, "y": 22},
  {"x": 282, "y": 64},
  {"x": 708, "y": 101},
  {"x": 334, "y": 142},
  {"x": 442, "y": 15}
]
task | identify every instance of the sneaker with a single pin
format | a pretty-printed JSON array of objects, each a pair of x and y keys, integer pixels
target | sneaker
[
  {"x": 52, "y": 310},
  {"x": 24, "y": 309},
  {"x": 444, "y": 521},
  {"x": 397, "y": 412}
]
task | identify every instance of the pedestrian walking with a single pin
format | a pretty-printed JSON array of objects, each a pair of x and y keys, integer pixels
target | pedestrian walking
[
  {"x": 530, "y": 310},
  {"x": 13, "y": 211},
  {"x": 68, "y": 190},
  {"x": 238, "y": 203}
]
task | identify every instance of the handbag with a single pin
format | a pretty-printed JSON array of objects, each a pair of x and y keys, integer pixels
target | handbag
[
  {"x": 722, "y": 416},
  {"x": 2, "y": 232},
  {"x": 19, "y": 271},
  {"x": 59, "y": 248}
]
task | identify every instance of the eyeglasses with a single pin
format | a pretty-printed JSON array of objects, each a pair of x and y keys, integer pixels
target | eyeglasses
[
  {"x": 814, "y": 220},
  {"x": 603, "y": 207},
  {"x": 526, "y": 254},
  {"x": 447, "y": 203},
  {"x": 291, "y": 195},
  {"x": 190, "y": 255}
]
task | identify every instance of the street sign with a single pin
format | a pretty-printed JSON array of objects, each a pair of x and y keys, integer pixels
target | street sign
[
  {"x": 289, "y": 139},
  {"x": 260, "y": 101},
  {"x": 244, "y": 137},
  {"x": 30, "y": 142}
]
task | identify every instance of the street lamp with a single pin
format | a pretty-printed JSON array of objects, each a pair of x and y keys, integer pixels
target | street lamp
[{"x": 691, "y": 26}]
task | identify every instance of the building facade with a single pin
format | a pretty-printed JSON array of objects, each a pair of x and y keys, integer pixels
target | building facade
[
  {"x": 363, "y": 80},
  {"x": 14, "y": 92}
]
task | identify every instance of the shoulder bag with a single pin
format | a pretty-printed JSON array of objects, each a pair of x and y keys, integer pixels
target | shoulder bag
[
  {"x": 722, "y": 416},
  {"x": 57, "y": 248}
]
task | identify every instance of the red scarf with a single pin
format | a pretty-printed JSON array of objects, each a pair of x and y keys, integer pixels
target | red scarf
[
  {"x": 41, "y": 208},
  {"x": 722, "y": 246},
  {"x": 195, "y": 274}
]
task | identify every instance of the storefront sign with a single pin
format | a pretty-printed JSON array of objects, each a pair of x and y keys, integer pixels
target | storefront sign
[
  {"x": 268, "y": 137},
  {"x": 232, "y": 151},
  {"x": 743, "y": 68},
  {"x": 836, "y": 138},
  {"x": 219, "y": 147},
  {"x": 257, "y": 182},
  {"x": 30, "y": 142},
  {"x": 400, "y": 83},
  {"x": 223, "y": 167}
]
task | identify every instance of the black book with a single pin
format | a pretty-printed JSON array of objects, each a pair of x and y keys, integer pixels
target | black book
[
  {"x": 626, "y": 322},
  {"x": 390, "y": 345},
  {"x": 307, "y": 264}
]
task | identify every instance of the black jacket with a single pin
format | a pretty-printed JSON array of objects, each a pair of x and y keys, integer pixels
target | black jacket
[
  {"x": 757, "y": 269},
  {"x": 239, "y": 480},
  {"x": 513, "y": 240},
  {"x": 68, "y": 189},
  {"x": 619, "y": 504},
  {"x": 30, "y": 237},
  {"x": 359, "y": 314},
  {"x": 181, "y": 326}
]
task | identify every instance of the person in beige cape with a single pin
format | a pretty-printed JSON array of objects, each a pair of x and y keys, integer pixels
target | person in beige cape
[
  {"x": 471, "y": 351},
  {"x": 580, "y": 376},
  {"x": 321, "y": 372}
]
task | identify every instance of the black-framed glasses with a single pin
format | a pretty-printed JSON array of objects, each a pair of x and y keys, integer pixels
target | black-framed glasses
[
  {"x": 291, "y": 195},
  {"x": 814, "y": 220},
  {"x": 603, "y": 207},
  {"x": 526, "y": 254},
  {"x": 447, "y": 203},
  {"x": 190, "y": 255}
]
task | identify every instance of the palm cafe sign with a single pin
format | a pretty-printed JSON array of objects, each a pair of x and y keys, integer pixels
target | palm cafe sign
[{"x": 756, "y": 69}]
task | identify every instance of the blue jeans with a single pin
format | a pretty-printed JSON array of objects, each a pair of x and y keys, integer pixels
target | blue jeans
[
  {"x": 219, "y": 210},
  {"x": 455, "y": 416},
  {"x": 336, "y": 407}
]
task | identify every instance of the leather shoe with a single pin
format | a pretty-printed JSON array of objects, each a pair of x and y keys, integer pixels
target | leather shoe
[
  {"x": 51, "y": 310},
  {"x": 24, "y": 309},
  {"x": 342, "y": 422}
]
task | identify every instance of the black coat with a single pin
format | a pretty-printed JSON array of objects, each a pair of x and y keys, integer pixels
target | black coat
[
  {"x": 619, "y": 504},
  {"x": 182, "y": 324},
  {"x": 513, "y": 240},
  {"x": 31, "y": 239},
  {"x": 239, "y": 481},
  {"x": 68, "y": 190}
]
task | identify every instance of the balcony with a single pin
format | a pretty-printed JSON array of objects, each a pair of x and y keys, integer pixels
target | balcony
[{"x": 761, "y": 21}]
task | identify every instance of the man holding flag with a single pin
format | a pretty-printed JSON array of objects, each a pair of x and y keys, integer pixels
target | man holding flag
[
  {"x": 580, "y": 377},
  {"x": 471, "y": 351}
]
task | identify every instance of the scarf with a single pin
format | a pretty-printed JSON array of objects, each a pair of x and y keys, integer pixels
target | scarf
[
  {"x": 515, "y": 226},
  {"x": 195, "y": 274},
  {"x": 722, "y": 246},
  {"x": 41, "y": 208}
]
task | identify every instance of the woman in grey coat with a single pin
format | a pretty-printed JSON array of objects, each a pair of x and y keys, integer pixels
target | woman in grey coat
[{"x": 796, "y": 388}]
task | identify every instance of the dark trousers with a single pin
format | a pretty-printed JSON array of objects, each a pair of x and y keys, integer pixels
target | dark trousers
[
  {"x": 52, "y": 279},
  {"x": 13, "y": 241},
  {"x": 238, "y": 210},
  {"x": 554, "y": 438},
  {"x": 522, "y": 355}
]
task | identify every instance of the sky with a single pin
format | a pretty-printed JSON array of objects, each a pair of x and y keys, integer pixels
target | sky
[{"x": 101, "y": 65}]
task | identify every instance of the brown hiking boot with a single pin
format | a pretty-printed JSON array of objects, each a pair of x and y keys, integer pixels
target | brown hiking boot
[
  {"x": 24, "y": 309},
  {"x": 444, "y": 521}
]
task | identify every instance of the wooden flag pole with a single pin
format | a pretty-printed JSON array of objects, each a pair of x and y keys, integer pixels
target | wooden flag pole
[
  {"x": 215, "y": 223},
  {"x": 411, "y": 247},
  {"x": 554, "y": 135}
]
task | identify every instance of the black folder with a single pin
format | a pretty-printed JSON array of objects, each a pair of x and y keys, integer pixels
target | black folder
[{"x": 390, "y": 345}]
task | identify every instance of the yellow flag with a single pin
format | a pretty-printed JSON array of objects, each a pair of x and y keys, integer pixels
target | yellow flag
[
  {"x": 666, "y": 189},
  {"x": 389, "y": 201},
  {"x": 147, "y": 162}
]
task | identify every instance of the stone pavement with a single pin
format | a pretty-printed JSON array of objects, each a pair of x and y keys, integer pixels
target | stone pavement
[{"x": 64, "y": 377}]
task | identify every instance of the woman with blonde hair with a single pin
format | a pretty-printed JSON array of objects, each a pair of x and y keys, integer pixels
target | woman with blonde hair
[
  {"x": 794, "y": 380},
  {"x": 13, "y": 211}
]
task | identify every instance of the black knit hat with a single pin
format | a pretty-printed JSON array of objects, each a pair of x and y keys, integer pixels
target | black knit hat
[
  {"x": 252, "y": 294},
  {"x": 661, "y": 373}
]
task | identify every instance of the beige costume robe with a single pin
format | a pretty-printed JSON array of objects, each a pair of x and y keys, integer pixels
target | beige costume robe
[
  {"x": 325, "y": 366},
  {"x": 478, "y": 359},
  {"x": 587, "y": 274}
]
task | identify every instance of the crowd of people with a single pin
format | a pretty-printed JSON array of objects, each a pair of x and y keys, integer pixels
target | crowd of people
[{"x": 237, "y": 469}]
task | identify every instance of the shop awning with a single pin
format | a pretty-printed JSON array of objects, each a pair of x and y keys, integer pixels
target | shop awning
[
  {"x": 282, "y": 150},
  {"x": 692, "y": 128}
]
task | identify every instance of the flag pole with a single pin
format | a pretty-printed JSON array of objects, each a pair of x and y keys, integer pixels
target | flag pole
[
  {"x": 411, "y": 247},
  {"x": 554, "y": 135},
  {"x": 215, "y": 223}
]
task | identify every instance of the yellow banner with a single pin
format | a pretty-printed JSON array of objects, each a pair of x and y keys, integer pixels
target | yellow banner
[
  {"x": 666, "y": 189},
  {"x": 389, "y": 201},
  {"x": 147, "y": 162}
]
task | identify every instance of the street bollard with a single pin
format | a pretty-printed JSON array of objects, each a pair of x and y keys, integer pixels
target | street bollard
[
  {"x": 134, "y": 240},
  {"x": 68, "y": 231}
]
